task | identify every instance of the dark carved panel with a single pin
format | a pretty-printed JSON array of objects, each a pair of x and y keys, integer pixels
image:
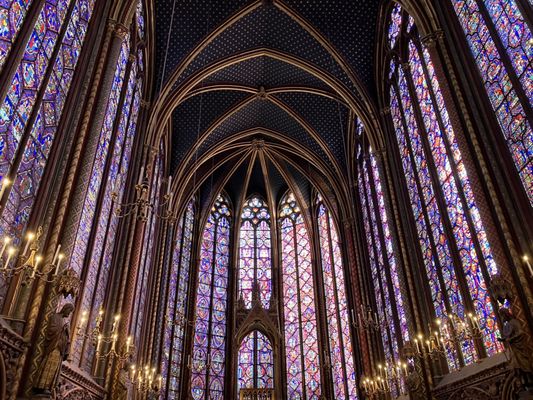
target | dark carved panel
[
  {"x": 12, "y": 346},
  {"x": 492, "y": 379},
  {"x": 75, "y": 384}
]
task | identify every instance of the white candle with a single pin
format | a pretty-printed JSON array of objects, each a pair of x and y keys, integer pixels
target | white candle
[
  {"x": 30, "y": 237},
  {"x": 416, "y": 344},
  {"x": 169, "y": 184},
  {"x": 59, "y": 259},
  {"x": 7, "y": 239},
  {"x": 56, "y": 254},
  {"x": 526, "y": 259},
  {"x": 98, "y": 343},
  {"x": 114, "y": 342},
  {"x": 141, "y": 176},
  {"x": 10, "y": 253},
  {"x": 5, "y": 183},
  {"x": 36, "y": 266}
]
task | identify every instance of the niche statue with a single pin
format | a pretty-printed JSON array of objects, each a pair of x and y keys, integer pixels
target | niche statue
[
  {"x": 56, "y": 348},
  {"x": 514, "y": 336}
]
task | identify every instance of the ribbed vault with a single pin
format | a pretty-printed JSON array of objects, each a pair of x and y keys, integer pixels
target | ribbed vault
[{"x": 263, "y": 94}]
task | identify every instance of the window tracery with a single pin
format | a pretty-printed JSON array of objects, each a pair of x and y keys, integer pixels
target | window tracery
[
  {"x": 255, "y": 267},
  {"x": 177, "y": 316},
  {"x": 391, "y": 311},
  {"x": 301, "y": 331},
  {"x": 255, "y": 362},
  {"x": 209, "y": 342},
  {"x": 336, "y": 304}
]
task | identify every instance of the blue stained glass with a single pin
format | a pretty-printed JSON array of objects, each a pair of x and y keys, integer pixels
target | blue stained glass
[{"x": 208, "y": 358}]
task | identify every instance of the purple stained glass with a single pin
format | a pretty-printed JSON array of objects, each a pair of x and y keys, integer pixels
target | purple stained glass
[
  {"x": 139, "y": 14},
  {"x": 340, "y": 344},
  {"x": 514, "y": 35},
  {"x": 176, "y": 315},
  {"x": 101, "y": 254},
  {"x": 12, "y": 14},
  {"x": 438, "y": 137},
  {"x": 300, "y": 331},
  {"x": 255, "y": 367},
  {"x": 209, "y": 342},
  {"x": 255, "y": 266},
  {"x": 430, "y": 229},
  {"x": 395, "y": 24}
]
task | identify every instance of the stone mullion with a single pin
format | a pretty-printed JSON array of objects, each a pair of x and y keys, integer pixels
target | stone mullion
[
  {"x": 277, "y": 272},
  {"x": 491, "y": 214},
  {"x": 419, "y": 292}
]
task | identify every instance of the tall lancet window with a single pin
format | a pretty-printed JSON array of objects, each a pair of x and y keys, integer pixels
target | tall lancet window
[
  {"x": 34, "y": 97},
  {"x": 255, "y": 362},
  {"x": 255, "y": 266},
  {"x": 209, "y": 344},
  {"x": 453, "y": 242},
  {"x": 177, "y": 316},
  {"x": 380, "y": 252},
  {"x": 336, "y": 303},
  {"x": 299, "y": 304},
  {"x": 500, "y": 40}
]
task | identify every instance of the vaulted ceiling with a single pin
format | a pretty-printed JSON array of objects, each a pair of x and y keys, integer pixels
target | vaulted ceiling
[{"x": 290, "y": 74}]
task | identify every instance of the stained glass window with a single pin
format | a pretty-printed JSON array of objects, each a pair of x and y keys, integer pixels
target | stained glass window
[
  {"x": 104, "y": 226},
  {"x": 299, "y": 304},
  {"x": 383, "y": 265},
  {"x": 176, "y": 317},
  {"x": 255, "y": 269},
  {"x": 20, "y": 106},
  {"x": 500, "y": 40},
  {"x": 336, "y": 302},
  {"x": 255, "y": 362},
  {"x": 451, "y": 234},
  {"x": 209, "y": 343},
  {"x": 12, "y": 13}
]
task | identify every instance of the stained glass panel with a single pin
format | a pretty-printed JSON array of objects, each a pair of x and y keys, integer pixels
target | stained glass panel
[
  {"x": 255, "y": 362},
  {"x": 176, "y": 316},
  {"x": 514, "y": 35},
  {"x": 12, "y": 14},
  {"x": 255, "y": 267},
  {"x": 209, "y": 342},
  {"x": 299, "y": 305}
]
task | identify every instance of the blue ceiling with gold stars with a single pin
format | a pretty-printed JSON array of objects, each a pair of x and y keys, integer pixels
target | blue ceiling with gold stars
[{"x": 274, "y": 67}]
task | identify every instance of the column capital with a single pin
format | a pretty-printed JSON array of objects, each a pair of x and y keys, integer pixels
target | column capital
[{"x": 431, "y": 39}]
